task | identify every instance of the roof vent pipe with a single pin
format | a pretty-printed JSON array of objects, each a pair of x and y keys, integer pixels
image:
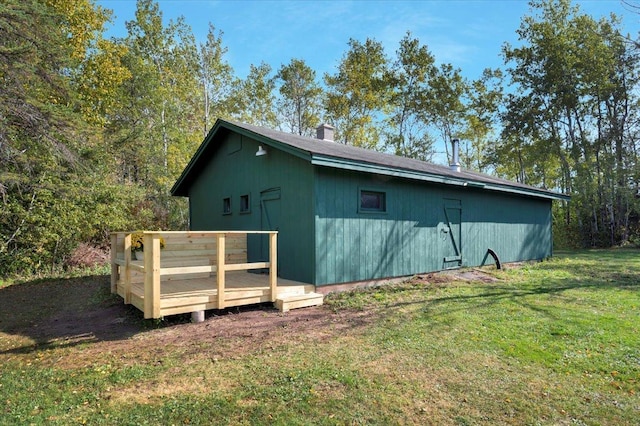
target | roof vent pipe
[
  {"x": 325, "y": 132},
  {"x": 455, "y": 159}
]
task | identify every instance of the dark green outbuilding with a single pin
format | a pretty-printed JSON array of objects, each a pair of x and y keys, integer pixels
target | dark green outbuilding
[{"x": 346, "y": 214}]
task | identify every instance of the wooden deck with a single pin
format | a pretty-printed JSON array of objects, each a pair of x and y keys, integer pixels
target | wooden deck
[
  {"x": 186, "y": 272},
  {"x": 201, "y": 294}
]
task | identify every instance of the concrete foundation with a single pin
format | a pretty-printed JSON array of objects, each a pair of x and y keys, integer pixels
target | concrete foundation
[{"x": 197, "y": 316}]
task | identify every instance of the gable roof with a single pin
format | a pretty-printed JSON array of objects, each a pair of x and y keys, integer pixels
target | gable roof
[{"x": 331, "y": 154}]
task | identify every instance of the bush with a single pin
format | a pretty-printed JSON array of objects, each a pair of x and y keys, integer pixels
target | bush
[{"x": 87, "y": 256}]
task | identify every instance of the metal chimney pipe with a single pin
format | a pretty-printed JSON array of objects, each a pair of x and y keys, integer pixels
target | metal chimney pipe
[{"x": 455, "y": 156}]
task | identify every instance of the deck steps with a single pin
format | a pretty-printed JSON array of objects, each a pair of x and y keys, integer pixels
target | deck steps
[{"x": 288, "y": 302}]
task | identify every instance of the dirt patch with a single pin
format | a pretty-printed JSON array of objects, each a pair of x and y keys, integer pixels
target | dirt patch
[
  {"x": 72, "y": 310},
  {"x": 466, "y": 275},
  {"x": 81, "y": 311}
]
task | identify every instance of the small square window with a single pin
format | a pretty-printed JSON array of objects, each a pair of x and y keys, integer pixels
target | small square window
[
  {"x": 226, "y": 205},
  {"x": 373, "y": 201},
  {"x": 244, "y": 203}
]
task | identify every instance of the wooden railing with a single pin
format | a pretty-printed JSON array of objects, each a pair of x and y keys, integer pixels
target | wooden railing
[{"x": 186, "y": 255}]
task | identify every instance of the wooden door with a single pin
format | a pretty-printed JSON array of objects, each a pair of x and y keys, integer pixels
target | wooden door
[
  {"x": 270, "y": 216},
  {"x": 452, "y": 234}
]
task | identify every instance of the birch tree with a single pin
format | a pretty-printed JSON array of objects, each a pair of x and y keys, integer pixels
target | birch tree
[
  {"x": 407, "y": 132},
  {"x": 358, "y": 93},
  {"x": 216, "y": 79},
  {"x": 300, "y": 98},
  {"x": 577, "y": 85},
  {"x": 255, "y": 98}
]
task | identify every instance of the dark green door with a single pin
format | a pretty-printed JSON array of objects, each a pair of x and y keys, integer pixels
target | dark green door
[
  {"x": 270, "y": 216},
  {"x": 451, "y": 234}
]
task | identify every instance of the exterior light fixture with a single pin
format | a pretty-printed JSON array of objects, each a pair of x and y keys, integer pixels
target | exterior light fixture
[{"x": 261, "y": 151}]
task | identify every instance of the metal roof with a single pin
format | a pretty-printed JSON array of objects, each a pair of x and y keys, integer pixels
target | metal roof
[{"x": 333, "y": 154}]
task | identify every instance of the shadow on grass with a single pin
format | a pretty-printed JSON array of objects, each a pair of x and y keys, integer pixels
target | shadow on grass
[
  {"x": 59, "y": 313},
  {"x": 64, "y": 312},
  {"x": 524, "y": 295}
]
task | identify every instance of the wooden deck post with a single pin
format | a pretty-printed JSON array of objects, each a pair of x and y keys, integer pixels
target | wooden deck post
[
  {"x": 114, "y": 265},
  {"x": 152, "y": 276},
  {"x": 220, "y": 275},
  {"x": 273, "y": 265},
  {"x": 127, "y": 269}
]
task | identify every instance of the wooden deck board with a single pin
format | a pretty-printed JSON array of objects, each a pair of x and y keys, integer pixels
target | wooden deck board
[
  {"x": 192, "y": 268},
  {"x": 241, "y": 288}
]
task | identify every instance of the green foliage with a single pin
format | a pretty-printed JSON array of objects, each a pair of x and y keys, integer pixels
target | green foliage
[
  {"x": 299, "y": 105},
  {"x": 254, "y": 99},
  {"x": 48, "y": 190},
  {"x": 357, "y": 92},
  {"x": 485, "y": 100},
  {"x": 570, "y": 124},
  {"x": 448, "y": 90},
  {"x": 48, "y": 224},
  {"x": 217, "y": 79},
  {"x": 407, "y": 134}
]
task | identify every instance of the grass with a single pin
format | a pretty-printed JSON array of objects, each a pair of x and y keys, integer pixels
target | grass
[
  {"x": 57, "y": 274},
  {"x": 556, "y": 342}
]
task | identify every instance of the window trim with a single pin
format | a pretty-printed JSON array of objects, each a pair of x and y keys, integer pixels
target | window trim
[
  {"x": 224, "y": 200},
  {"x": 383, "y": 192},
  {"x": 248, "y": 210}
]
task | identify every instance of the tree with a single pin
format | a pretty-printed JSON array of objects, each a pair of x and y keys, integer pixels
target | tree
[
  {"x": 407, "y": 132},
  {"x": 446, "y": 108},
  {"x": 299, "y": 104},
  {"x": 485, "y": 99},
  {"x": 357, "y": 94},
  {"x": 577, "y": 80},
  {"x": 254, "y": 98},
  {"x": 51, "y": 184},
  {"x": 216, "y": 77},
  {"x": 159, "y": 123}
]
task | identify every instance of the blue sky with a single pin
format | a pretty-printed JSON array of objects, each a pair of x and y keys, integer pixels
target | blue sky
[{"x": 466, "y": 33}]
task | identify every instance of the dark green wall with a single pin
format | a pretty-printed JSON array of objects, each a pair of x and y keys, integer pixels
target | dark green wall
[
  {"x": 324, "y": 239},
  {"x": 410, "y": 237},
  {"x": 234, "y": 170}
]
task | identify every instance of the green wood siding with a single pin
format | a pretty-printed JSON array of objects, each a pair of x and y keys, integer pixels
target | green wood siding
[
  {"x": 413, "y": 235},
  {"x": 325, "y": 237},
  {"x": 517, "y": 228},
  {"x": 233, "y": 171}
]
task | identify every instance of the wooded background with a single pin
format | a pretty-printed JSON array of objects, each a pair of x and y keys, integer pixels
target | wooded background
[{"x": 94, "y": 131}]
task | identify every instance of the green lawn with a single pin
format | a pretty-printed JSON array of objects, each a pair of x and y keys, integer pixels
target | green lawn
[{"x": 556, "y": 342}]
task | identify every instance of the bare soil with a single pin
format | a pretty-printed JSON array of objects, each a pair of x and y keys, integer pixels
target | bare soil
[{"x": 81, "y": 311}]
